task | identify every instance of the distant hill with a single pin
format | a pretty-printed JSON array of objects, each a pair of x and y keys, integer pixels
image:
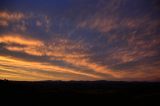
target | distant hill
[{"x": 133, "y": 93}]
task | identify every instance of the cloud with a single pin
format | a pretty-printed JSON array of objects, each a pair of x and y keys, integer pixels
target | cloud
[
  {"x": 3, "y": 23},
  {"x": 31, "y": 46},
  {"x": 13, "y": 23},
  {"x": 15, "y": 42},
  {"x": 18, "y": 39},
  {"x": 89, "y": 40},
  {"x": 6, "y": 18},
  {"x": 23, "y": 21},
  {"x": 39, "y": 23},
  {"x": 123, "y": 39},
  {"x": 26, "y": 67},
  {"x": 62, "y": 49},
  {"x": 9, "y": 16}
]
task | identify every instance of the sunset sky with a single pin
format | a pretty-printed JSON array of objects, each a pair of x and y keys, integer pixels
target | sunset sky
[{"x": 80, "y": 40}]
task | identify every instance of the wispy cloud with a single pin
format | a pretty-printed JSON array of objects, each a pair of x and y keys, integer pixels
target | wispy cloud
[
  {"x": 15, "y": 42},
  {"x": 36, "y": 69},
  {"x": 9, "y": 16},
  {"x": 90, "y": 40}
]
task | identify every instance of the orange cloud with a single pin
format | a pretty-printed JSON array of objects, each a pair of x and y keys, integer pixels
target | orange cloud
[
  {"x": 11, "y": 16},
  {"x": 78, "y": 59},
  {"x": 68, "y": 51},
  {"x": 19, "y": 21},
  {"x": 18, "y": 39},
  {"x": 22, "y": 70},
  {"x": 23, "y": 44},
  {"x": 82, "y": 62},
  {"x": 3, "y": 23},
  {"x": 34, "y": 47},
  {"x": 25, "y": 67}
]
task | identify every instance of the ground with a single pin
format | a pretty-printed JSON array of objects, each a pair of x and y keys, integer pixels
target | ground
[{"x": 108, "y": 92}]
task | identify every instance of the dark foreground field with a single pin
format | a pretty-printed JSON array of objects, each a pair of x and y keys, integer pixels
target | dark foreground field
[{"x": 106, "y": 92}]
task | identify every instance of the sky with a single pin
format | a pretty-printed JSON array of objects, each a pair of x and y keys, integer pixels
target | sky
[{"x": 115, "y": 40}]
